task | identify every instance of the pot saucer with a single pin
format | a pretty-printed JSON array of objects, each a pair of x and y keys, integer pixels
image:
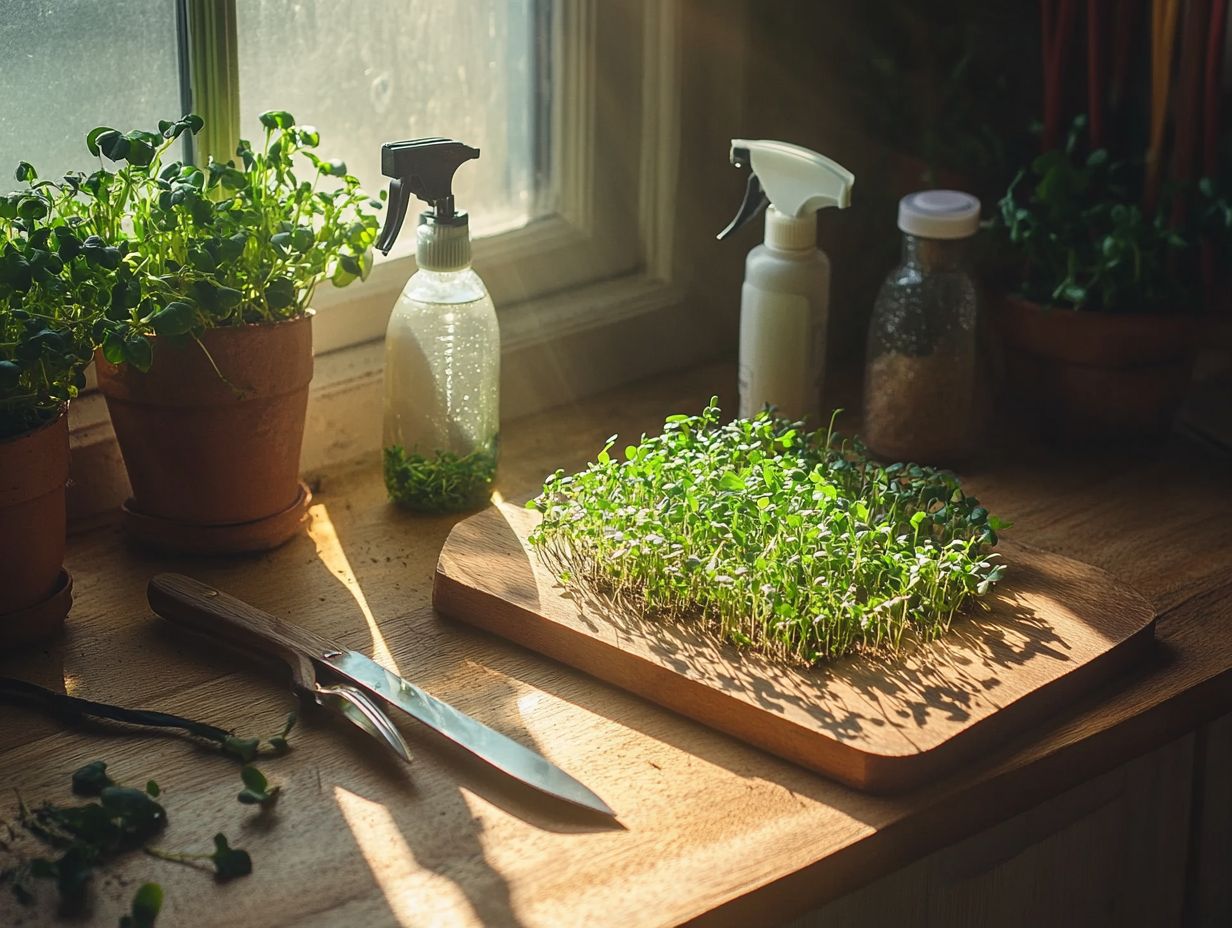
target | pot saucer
[
  {"x": 230, "y": 538},
  {"x": 42, "y": 620}
]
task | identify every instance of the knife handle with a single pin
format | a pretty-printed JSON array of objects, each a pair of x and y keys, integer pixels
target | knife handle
[{"x": 203, "y": 608}]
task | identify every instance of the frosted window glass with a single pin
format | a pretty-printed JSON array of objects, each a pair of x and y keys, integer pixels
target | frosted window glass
[
  {"x": 371, "y": 71},
  {"x": 67, "y": 66}
]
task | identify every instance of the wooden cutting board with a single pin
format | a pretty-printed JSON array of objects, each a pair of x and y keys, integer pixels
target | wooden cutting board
[{"x": 1056, "y": 628}]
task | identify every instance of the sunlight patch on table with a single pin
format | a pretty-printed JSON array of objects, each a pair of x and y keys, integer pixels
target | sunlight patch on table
[
  {"x": 415, "y": 896},
  {"x": 329, "y": 550},
  {"x": 528, "y": 702}
]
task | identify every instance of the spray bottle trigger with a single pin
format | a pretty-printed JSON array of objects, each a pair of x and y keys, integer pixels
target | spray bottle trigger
[
  {"x": 755, "y": 200},
  {"x": 423, "y": 168},
  {"x": 399, "y": 197}
]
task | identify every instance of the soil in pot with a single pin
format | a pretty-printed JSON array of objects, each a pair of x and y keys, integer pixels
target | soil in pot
[
  {"x": 33, "y": 472},
  {"x": 1097, "y": 377},
  {"x": 211, "y": 435}
]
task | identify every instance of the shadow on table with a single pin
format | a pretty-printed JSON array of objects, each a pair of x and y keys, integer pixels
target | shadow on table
[{"x": 432, "y": 824}]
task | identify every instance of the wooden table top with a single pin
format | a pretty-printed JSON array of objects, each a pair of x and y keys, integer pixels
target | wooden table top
[{"x": 709, "y": 828}]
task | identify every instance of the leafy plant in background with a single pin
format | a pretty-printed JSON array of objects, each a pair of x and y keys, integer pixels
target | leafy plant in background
[
  {"x": 1212, "y": 217},
  {"x": 1136, "y": 222},
  {"x": 246, "y": 241},
  {"x": 1083, "y": 238},
  {"x": 792, "y": 542},
  {"x": 55, "y": 281}
]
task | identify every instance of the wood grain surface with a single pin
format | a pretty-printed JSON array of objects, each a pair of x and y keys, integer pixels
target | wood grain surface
[
  {"x": 1055, "y": 627},
  {"x": 710, "y": 829}
]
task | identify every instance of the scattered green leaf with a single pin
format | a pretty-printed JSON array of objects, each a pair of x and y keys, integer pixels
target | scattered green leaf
[
  {"x": 279, "y": 741},
  {"x": 147, "y": 903},
  {"x": 91, "y": 779},
  {"x": 257, "y": 790},
  {"x": 229, "y": 862}
]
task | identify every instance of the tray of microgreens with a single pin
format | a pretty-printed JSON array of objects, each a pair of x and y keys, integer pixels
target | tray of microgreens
[{"x": 771, "y": 536}]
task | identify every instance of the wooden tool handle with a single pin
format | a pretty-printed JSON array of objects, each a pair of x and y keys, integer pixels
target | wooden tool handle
[{"x": 202, "y": 608}]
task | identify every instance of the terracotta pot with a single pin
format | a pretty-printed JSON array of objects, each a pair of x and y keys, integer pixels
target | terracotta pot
[
  {"x": 202, "y": 450},
  {"x": 33, "y": 472},
  {"x": 1098, "y": 376}
]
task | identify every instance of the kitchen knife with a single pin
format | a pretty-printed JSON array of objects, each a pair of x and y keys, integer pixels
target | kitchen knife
[{"x": 205, "y": 609}]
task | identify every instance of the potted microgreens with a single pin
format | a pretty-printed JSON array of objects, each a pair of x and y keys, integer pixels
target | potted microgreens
[
  {"x": 54, "y": 281},
  {"x": 1109, "y": 227},
  {"x": 205, "y": 360},
  {"x": 1099, "y": 327}
]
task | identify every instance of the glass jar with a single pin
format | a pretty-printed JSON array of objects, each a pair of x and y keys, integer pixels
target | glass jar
[{"x": 921, "y": 382}]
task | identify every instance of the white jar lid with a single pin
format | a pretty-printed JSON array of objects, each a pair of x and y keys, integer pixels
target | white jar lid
[{"x": 939, "y": 214}]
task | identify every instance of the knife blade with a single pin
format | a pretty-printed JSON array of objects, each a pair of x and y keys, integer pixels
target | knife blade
[
  {"x": 206, "y": 609},
  {"x": 489, "y": 745}
]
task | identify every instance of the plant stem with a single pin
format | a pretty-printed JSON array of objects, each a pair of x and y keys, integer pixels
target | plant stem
[
  {"x": 196, "y": 861},
  {"x": 73, "y": 708}
]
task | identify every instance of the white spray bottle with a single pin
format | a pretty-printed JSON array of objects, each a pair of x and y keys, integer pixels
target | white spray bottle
[{"x": 785, "y": 300}]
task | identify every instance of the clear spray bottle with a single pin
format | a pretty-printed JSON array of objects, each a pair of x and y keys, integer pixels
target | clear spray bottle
[{"x": 442, "y": 345}]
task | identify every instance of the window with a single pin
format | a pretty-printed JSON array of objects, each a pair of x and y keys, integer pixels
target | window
[
  {"x": 551, "y": 91},
  {"x": 70, "y": 65},
  {"x": 373, "y": 71},
  {"x": 557, "y": 94}
]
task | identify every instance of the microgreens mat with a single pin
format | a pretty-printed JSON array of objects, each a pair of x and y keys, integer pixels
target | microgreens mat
[{"x": 789, "y": 541}]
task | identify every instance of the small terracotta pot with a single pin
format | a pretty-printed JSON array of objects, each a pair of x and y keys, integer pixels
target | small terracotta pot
[
  {"x": 33, "y": 472},
  {"x": 1092, "y": 376},
  {"x": 206, "y": 451}
]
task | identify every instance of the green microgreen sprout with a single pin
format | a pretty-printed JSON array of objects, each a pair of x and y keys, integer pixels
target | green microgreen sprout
[
  {"x": 227, "y": 862},
  {"x": 444, "y": 482},
  {"x": 792, "y": 542},
  {"x": 257, "y": 790},
  {"x": 147, "y": 903},
  {"x": 90, "y": 779},
  {"x": 279, "y": 741},
  {"x": 245, "y": 749}
]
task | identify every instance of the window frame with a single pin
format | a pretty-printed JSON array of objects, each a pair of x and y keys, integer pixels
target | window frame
[{"x": 591, "y": 233}]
